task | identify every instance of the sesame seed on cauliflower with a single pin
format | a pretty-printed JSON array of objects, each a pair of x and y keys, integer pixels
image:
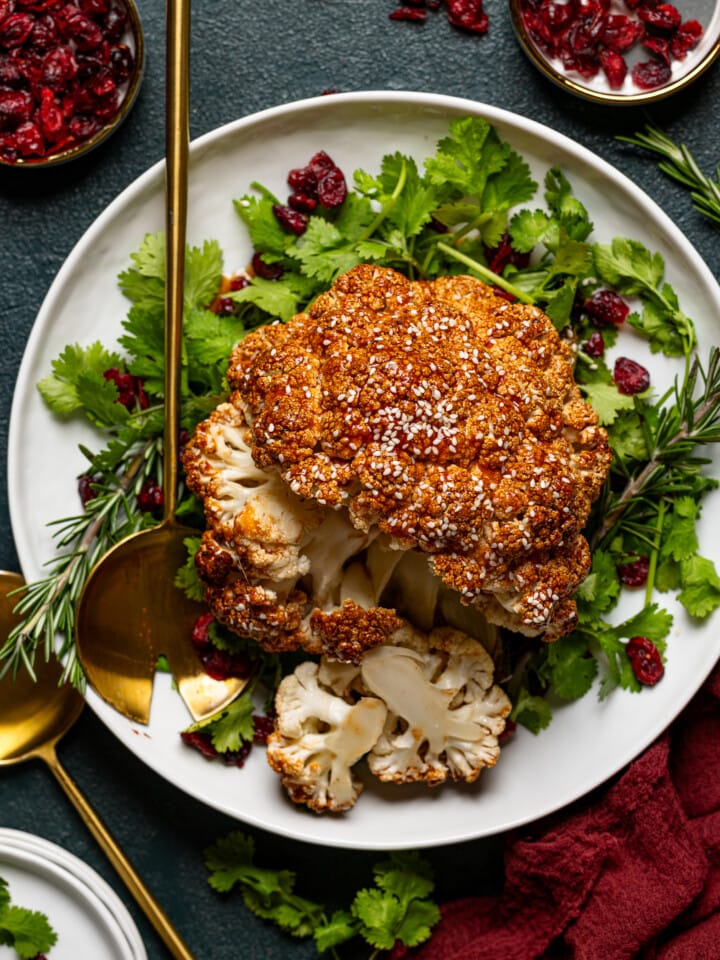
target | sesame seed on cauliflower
[{"x": 432, "y": 419}]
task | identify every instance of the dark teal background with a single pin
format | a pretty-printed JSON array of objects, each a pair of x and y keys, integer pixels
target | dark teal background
[{"x": 245, "y": 57}]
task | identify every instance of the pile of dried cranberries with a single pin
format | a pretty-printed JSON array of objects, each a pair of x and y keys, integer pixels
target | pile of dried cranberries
[
  {"x": 588, "y": 36},
  {"x": 64, "y": 72}
]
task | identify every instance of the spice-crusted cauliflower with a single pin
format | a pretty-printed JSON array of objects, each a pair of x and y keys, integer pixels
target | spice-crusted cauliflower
[
  {"x": 436, "y": 711},
  {"x": 433, "y": 417}
]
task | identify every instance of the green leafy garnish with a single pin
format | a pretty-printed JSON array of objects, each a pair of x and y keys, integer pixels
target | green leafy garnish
[
  {"x": 27, "y": 931},
  {"x": 398, "y": 908}
]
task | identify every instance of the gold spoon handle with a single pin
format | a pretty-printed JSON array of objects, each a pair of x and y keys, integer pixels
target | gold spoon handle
[
  {"x": 147, "y": 903},
  {"x": 177, "y": 137}
]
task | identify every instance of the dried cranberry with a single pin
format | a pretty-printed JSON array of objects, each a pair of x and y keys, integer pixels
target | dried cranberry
[
  {"x": 51, "y": 117},
  {"x": 58, "y": 67},
  {"x": 122, "y": 62},
  {"x": 44, "y": 33},
  {"x": 685, "y": 38},
  {"x": 86, "y": 489},
  {"x": 10, "y": 75},
  {"x": 102, "y": 83},
  {"x": 663, "y": 18},
  {"x": 29, "y": 139},
  {"x": 268, "y": 271},
  {"x": 651, "y": 74},
  {"x": 94, "y": 8},
  {"x": 16, "y": 106},
  {"x": 151, "y": 498},
  {"x": 15, "y": 29},
  {"x": 614, "y": 67},
  {"x": 225, "y": 307},
  {"x": 239, "y": 282},
  {"x": 86, "y": 34},
  {"x": 620, "y": 33},
  {"x": 332, "y": 189},
  {"x": 510, "y": 729},
  {"x": 302, "y": 201},
  {"x": 408, "y": 13},
  {"x": 606, "y": 308},
  {"x": 130, "y": 389},
  {"x": 630, "y": 376},
  {"x": 468, "y": 15},
  {"x": 645, "y": 660},
  {"x": 202, "y": 741},
  {"x": 290, "y": 219},
  {"x": 8, "y": 148},
  {"x": 263, "y": 726},
  {"x": 115, "y": 23},
  {"x": 303, "y": 180},
  {"x": 659, "y": 46},
  {"x": 83, "y": 126},
  {"x": 594, "y": 346},
  {"x": 634, "y": 573},
  {"x": 321, "y": 164},
  {"x": 500, "y": 256},
  {"x": 555, "y": 14},
  {"x": 200, "y": 634}
]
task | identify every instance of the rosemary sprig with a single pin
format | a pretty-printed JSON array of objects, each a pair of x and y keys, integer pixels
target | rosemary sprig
[
  {"x": 686, "y": 417},
  {"x": 680, "y": 164},
  {"x": 47, "y": 606}
]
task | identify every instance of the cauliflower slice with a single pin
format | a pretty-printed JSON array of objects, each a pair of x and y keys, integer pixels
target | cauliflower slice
[
  {"x": 427, "y": 711},
  {"x": 319, "y": 736},
  {"x": 444, "y": 712}
]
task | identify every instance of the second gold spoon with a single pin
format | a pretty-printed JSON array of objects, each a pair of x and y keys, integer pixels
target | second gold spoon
[{"x": 129, "y": 612}]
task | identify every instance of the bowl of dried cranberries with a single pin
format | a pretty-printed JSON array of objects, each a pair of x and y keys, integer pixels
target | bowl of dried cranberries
[
  {"x": 619, "y": 51},
  {"x": 70, "y": 71}
]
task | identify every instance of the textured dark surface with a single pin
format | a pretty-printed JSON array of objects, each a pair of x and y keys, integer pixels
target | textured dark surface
[{"x": 246, "y": 57}]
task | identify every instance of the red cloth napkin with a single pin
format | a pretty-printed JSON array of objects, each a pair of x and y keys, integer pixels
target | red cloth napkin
[{"x": 633, "y": 874}]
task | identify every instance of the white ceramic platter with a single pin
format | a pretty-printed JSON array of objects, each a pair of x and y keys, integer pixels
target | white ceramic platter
[
  {"x": 88, "y": 917},
  {"x": 587, "y": 741}
]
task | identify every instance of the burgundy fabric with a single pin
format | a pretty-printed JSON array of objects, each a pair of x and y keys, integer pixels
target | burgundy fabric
[{"x": 633, "y": 874}]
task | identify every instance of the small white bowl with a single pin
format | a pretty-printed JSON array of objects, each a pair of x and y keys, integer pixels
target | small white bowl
[{"x": 597, "y": 88}]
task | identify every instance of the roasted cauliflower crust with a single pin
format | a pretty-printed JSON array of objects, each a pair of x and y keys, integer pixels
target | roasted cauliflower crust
[
  {"x": 444, "y": 417},
  {"x": 444, "y": 712},
  {"x": 318, "y": 738}
]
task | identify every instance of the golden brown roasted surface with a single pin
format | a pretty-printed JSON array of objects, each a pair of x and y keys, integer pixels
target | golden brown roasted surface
[{"x": 434, "y": 415}]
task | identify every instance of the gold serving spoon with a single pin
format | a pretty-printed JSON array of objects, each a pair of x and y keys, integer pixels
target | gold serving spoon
[
  {"x": 34, "y": 715},
  {"x": 129, "y": 612}
]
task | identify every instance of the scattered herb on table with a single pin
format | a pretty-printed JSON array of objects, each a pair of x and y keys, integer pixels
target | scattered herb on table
[
  {"x": 680, "y": 164},
  {"x": 465, "y": 210},
  {"x": 28, "y": 932},
  {"x": 398, "y": 907}
]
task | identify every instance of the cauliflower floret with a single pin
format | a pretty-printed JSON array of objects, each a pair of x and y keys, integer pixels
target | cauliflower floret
[
  {"x": 441, "y": 716},
  {"x": 395, "y": 417},
  {"x": 444, "y": 712},
  {"x": 319, "y": 737}
]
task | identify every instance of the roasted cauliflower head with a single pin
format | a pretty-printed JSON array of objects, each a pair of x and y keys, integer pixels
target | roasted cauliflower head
[{"x": 424, "y": 426}]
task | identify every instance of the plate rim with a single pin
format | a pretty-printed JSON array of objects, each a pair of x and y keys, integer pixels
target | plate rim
[{"x": 54, "y": 862}]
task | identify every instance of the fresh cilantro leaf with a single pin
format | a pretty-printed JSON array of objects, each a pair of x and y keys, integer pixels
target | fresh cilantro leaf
[
  {"x": 144, "y": 282},
  {"x": 274, "y": 297},
  {"x": 29, "y": 932},
  {"x": 187, "y": 578},
  {"x": 203, "y": 273},
  {"x": 397, "y": 908},
  {"x": 266, "y": 234},
  {"x": 569, "y": 668},
  {"x": 651, "y": 622},
  {"x": 679, "y": 537},
  {"x": 607, "y": 401},
  {"x": 267, "y": 893},
  {"x": 566, "y": 207},
  {"x": 527, "y": 229},
  {"x": 629, "y": 267},
  {"x": 599, "y": 591},
  {"x": 531, "y": 711},
  {"x": 341, "y": 927},
  {"x": 627, "y": 438},
  {"x": 324, "y": 252},
  {"x": 700, "y": 593},
  {"x": 77, "y": 384},
  {"x": 231, "y": 727}
]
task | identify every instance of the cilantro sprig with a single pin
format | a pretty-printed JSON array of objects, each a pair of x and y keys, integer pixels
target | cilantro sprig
[
  {"x": 27, "y": 931},
  {"x": 396, "y": 908}
]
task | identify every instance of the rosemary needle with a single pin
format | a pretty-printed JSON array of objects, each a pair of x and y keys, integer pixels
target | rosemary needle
[{"x": 680, "y": 164}]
